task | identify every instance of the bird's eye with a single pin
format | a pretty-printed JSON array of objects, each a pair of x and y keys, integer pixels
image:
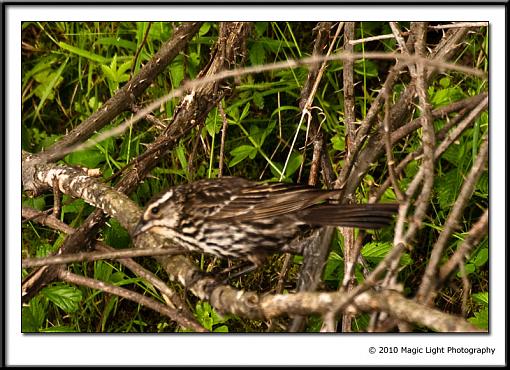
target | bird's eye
[{"x": 154, "y": 210}]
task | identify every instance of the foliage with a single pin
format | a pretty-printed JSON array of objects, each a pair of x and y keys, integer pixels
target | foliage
[{"x": 70, "y": 69}]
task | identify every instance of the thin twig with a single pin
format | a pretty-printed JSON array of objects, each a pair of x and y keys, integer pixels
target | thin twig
[
  {"x": 223, "y": 136},
  {"x": 436, "y": 27},
  {"x": 477, "y": 232},
  {"x": 94, "y": 256},
  {"x": 173, "y": 314},
  {"x": 389, "y": 153},
  {"x": 429, "y": 278},
  {"x": 140, "y": 47}
]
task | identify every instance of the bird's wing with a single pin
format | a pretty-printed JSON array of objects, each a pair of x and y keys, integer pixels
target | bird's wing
[{"x": 258, "y": 201}]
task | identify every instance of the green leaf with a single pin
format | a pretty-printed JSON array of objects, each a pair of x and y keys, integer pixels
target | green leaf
[
  {"x": 33, "y": 316},
  {"x": 66, "y": 297},
  {"x": 59, "y": 329},
  {"x": 208, "y": 317},
  {"x": 269, "y": 128},
  {"x": 446, "y": 96},
  {"x": 118, "y": 42},
  {"x": 115, "y": 235},
  {"x": 257, "y": 54},
  {"x": 53, "y": 81},
  {"x": 246, "y": 110},
  {"x": 338, "y": 142},
  {"x": 109, "y": 73},
  {"x": 41, "y": 70},
  {"x": 76, "y": 206},
  {"x": 481, "y": 298},
  {"x": 44, "y": 250},
  {"x": 481, "y": 318},
  {"x": 448, "y": 186},
  {"x": 333, "y": 265},
  {"x": 83, "y": 53},
  {"x": 90, "y": 158},
  {"x": 110, "y": 306},
  {"x": 483, "y": 184},
  {"x": 480, "y": 258},
  {"x": 102, "y": 270},
  {"x": 454, "y": 154},
  {"x": 469, "y": 267},
  {"x": 240, "y": 153},
  {"x": 221, "y": 329},
  {"x": 177, "y": 72},
  {"x": 204, "y": 29},
  {"x": 181, "y": 155},
  {"x": 294, "y": 163},
  {"x": 38, "y": 203},
  {"x": 445, "y": 82},
  {"x": 369, "y": 69},
  {"x": 213, "y": 125},
  {"x": 260, "y": 28},
  {"x": 258, "y": 100},
  {"x": 123, "y": 68},
  {"x": 376, "y": 251}
]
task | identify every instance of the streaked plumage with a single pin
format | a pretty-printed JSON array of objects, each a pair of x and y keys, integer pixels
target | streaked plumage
[{"x": 235, "y": 217}]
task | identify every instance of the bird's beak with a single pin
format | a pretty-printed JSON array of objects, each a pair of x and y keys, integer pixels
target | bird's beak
[{"x": 139, "y": 228}]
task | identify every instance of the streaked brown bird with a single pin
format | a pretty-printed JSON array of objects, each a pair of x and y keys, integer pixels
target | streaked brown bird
[{"x": 232, "y": 217}]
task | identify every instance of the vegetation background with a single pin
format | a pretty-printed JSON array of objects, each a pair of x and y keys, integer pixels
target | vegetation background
[{"x": 71, "y": 69}]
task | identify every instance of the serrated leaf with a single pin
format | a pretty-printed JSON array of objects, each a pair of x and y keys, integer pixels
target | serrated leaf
[
  {"x": 124, "y": 67},
  {"x": 66, "y": 297},
  {"x": 375, "y": 250}
]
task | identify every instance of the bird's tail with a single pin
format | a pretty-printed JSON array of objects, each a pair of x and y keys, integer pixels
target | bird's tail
[{"x": 363, "y": 216}]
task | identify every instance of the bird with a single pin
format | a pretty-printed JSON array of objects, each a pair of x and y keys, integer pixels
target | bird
[{"x": 232, "y": 217}]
